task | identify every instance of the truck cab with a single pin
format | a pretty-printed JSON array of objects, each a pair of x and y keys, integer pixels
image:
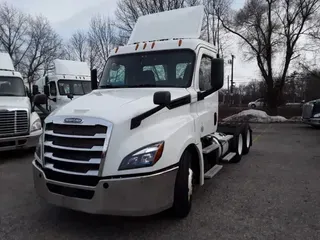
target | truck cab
[
  {"x": 311, "y": 113},
  {"x": 66, "y": 81},
  {"x": 149, "y": 134},
  {"x": 20, "y": 126}
]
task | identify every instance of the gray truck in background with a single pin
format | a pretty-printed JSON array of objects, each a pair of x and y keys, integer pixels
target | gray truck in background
[{"x": 311, "y": 113}]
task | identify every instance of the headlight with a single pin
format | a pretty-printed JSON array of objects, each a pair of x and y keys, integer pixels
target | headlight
[
  {"x": 143, "y": 157},
  {"x": 36, "y": 125},
  {"x": 316, "y": 115}
]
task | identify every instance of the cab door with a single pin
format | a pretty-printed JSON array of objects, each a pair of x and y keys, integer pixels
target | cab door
[{"x": 207, "y": 102}]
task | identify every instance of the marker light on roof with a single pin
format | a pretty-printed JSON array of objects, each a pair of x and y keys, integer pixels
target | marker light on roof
[
  {"x": 145, "y": 45},
  {"x": 180, "y": 42},
  {"x": 116, "y": 49},
  {"x": 137, "y": 46},
  {"x": 152, "y": 46}
]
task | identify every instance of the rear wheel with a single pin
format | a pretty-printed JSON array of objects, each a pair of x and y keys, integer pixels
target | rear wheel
[
  {"x": 183, "y": 187},
  {"x": 247, "y": 139},
  {"x": 253, "y": 106},
  {"x": 237, "y": 147}
]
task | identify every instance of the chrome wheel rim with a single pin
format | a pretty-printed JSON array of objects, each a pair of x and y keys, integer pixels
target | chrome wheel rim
[
  {"x": 248, "y": 139},
  {"x": 240, "y": 144},
  {"x": 190, "y": 178}
]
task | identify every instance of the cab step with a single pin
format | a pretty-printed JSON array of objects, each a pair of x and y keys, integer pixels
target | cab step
[
  {"x": 229, "y": 156},
  {"x": 212, "y": 171},
  {"x": 210, "y": 148}
]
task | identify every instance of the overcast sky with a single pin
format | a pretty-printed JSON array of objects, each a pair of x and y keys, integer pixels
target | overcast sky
[{"x": 67, "y": 16}]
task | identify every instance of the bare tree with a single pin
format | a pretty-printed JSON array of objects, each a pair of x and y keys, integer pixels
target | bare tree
[
  {"x": 45, "y": 46},
  {"x": 129, "y": 11},
  {"x": 270, "y": 28},
  {"x": 79, "y": 45},
  {"x": 101, "y": 38},
  {"x": 13, "y": 29},
  {"x": 213, "y": 31}
]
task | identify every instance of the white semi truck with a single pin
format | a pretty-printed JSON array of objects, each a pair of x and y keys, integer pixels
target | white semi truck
[
  {"x": 20, "y": 126},
  {"x": 311, "y": 113},
  {"x": 142, "y": 141},
  {"x": 66, "y": 80}
]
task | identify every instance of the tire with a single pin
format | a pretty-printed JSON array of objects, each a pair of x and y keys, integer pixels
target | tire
[
  {"x": 253, "y": 106},
  {"x": 247, "y": 140},
  {"x": 183, "y": 187},
  {"x": 237, "y": 147}
]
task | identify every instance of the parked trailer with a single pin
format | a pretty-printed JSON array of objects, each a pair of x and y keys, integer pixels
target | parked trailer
[{"x": 149, "y": 134}]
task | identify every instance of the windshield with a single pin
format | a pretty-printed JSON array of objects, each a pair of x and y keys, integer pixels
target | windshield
[
  {"x": 75, "y": 87},
  {"x": 12, "y": 86},
  {"x": 149, "y": 69}
]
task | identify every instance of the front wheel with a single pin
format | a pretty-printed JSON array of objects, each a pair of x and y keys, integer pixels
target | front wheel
[
  {"x": 253, "y": 106},
  {"x": 183, "y": 187}
]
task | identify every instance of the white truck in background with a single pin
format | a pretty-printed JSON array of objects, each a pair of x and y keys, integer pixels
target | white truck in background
[
  {"x": 66, "y": 80},
  {"x": 311, "y": 113},
  {"x": 142, "y": 141},
  {"x": 20, "y": 126}
]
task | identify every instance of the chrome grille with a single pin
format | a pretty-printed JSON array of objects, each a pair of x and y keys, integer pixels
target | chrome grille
[
  {"x": 13, "y": 122},
  {"x": 307, "y": 111},
  {"x": 75, "y": 148}
]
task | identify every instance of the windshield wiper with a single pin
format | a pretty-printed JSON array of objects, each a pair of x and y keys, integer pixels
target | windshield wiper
[
  {"x": 9, "y": 95},
  {"x": 110, "y": 86},
  {"x": 142, "y": 85}
]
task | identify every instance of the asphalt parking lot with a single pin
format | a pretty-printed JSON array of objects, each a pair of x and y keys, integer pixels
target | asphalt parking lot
[{"x": 273, "y": 193}]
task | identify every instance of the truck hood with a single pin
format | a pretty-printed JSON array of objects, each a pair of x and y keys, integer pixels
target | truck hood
[
  {"x": 115, "y": 105},
  {"x": 14, "y": 102},
  {"x": 314, "y": 101}
]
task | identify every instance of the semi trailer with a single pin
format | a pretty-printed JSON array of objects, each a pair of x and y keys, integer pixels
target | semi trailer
[{"x": 148, "y": 134}]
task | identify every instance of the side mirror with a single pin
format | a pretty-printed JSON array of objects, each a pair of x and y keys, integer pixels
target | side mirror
[
  {"x": 40, "y": 99},
  {"x": 70, "y": 95},
  {"x": 162, "y": 98},
  {"x": 217, "y": 73},
  {"x": 46, "y": 90},
  {"x": 94, "y": 79},
  {"x": 28, "y": 93},
  {"x": 35, "y": 90}
]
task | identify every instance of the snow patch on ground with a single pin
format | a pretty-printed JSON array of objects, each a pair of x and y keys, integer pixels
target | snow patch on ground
[{"x": 253, "y": 115}]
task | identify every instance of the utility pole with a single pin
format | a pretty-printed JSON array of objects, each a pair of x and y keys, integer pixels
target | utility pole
[
  {"x": 228, "y": 99},
  {"x": 232, "y": 83}
]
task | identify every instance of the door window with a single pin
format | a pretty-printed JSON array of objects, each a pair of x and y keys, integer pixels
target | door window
[
  {"x": 205, "y": 73},
  {"x": 53, "y": 89}
]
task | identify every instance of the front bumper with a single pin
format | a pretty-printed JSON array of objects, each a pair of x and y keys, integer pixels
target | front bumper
[
  {"x": 312, "y": 121},
  {"x": 20, "y": 142},
  {"x": 134, "y": 196}
]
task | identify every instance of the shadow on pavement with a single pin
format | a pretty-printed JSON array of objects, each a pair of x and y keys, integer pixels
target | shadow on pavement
[{"x": 15, "y": 155}]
